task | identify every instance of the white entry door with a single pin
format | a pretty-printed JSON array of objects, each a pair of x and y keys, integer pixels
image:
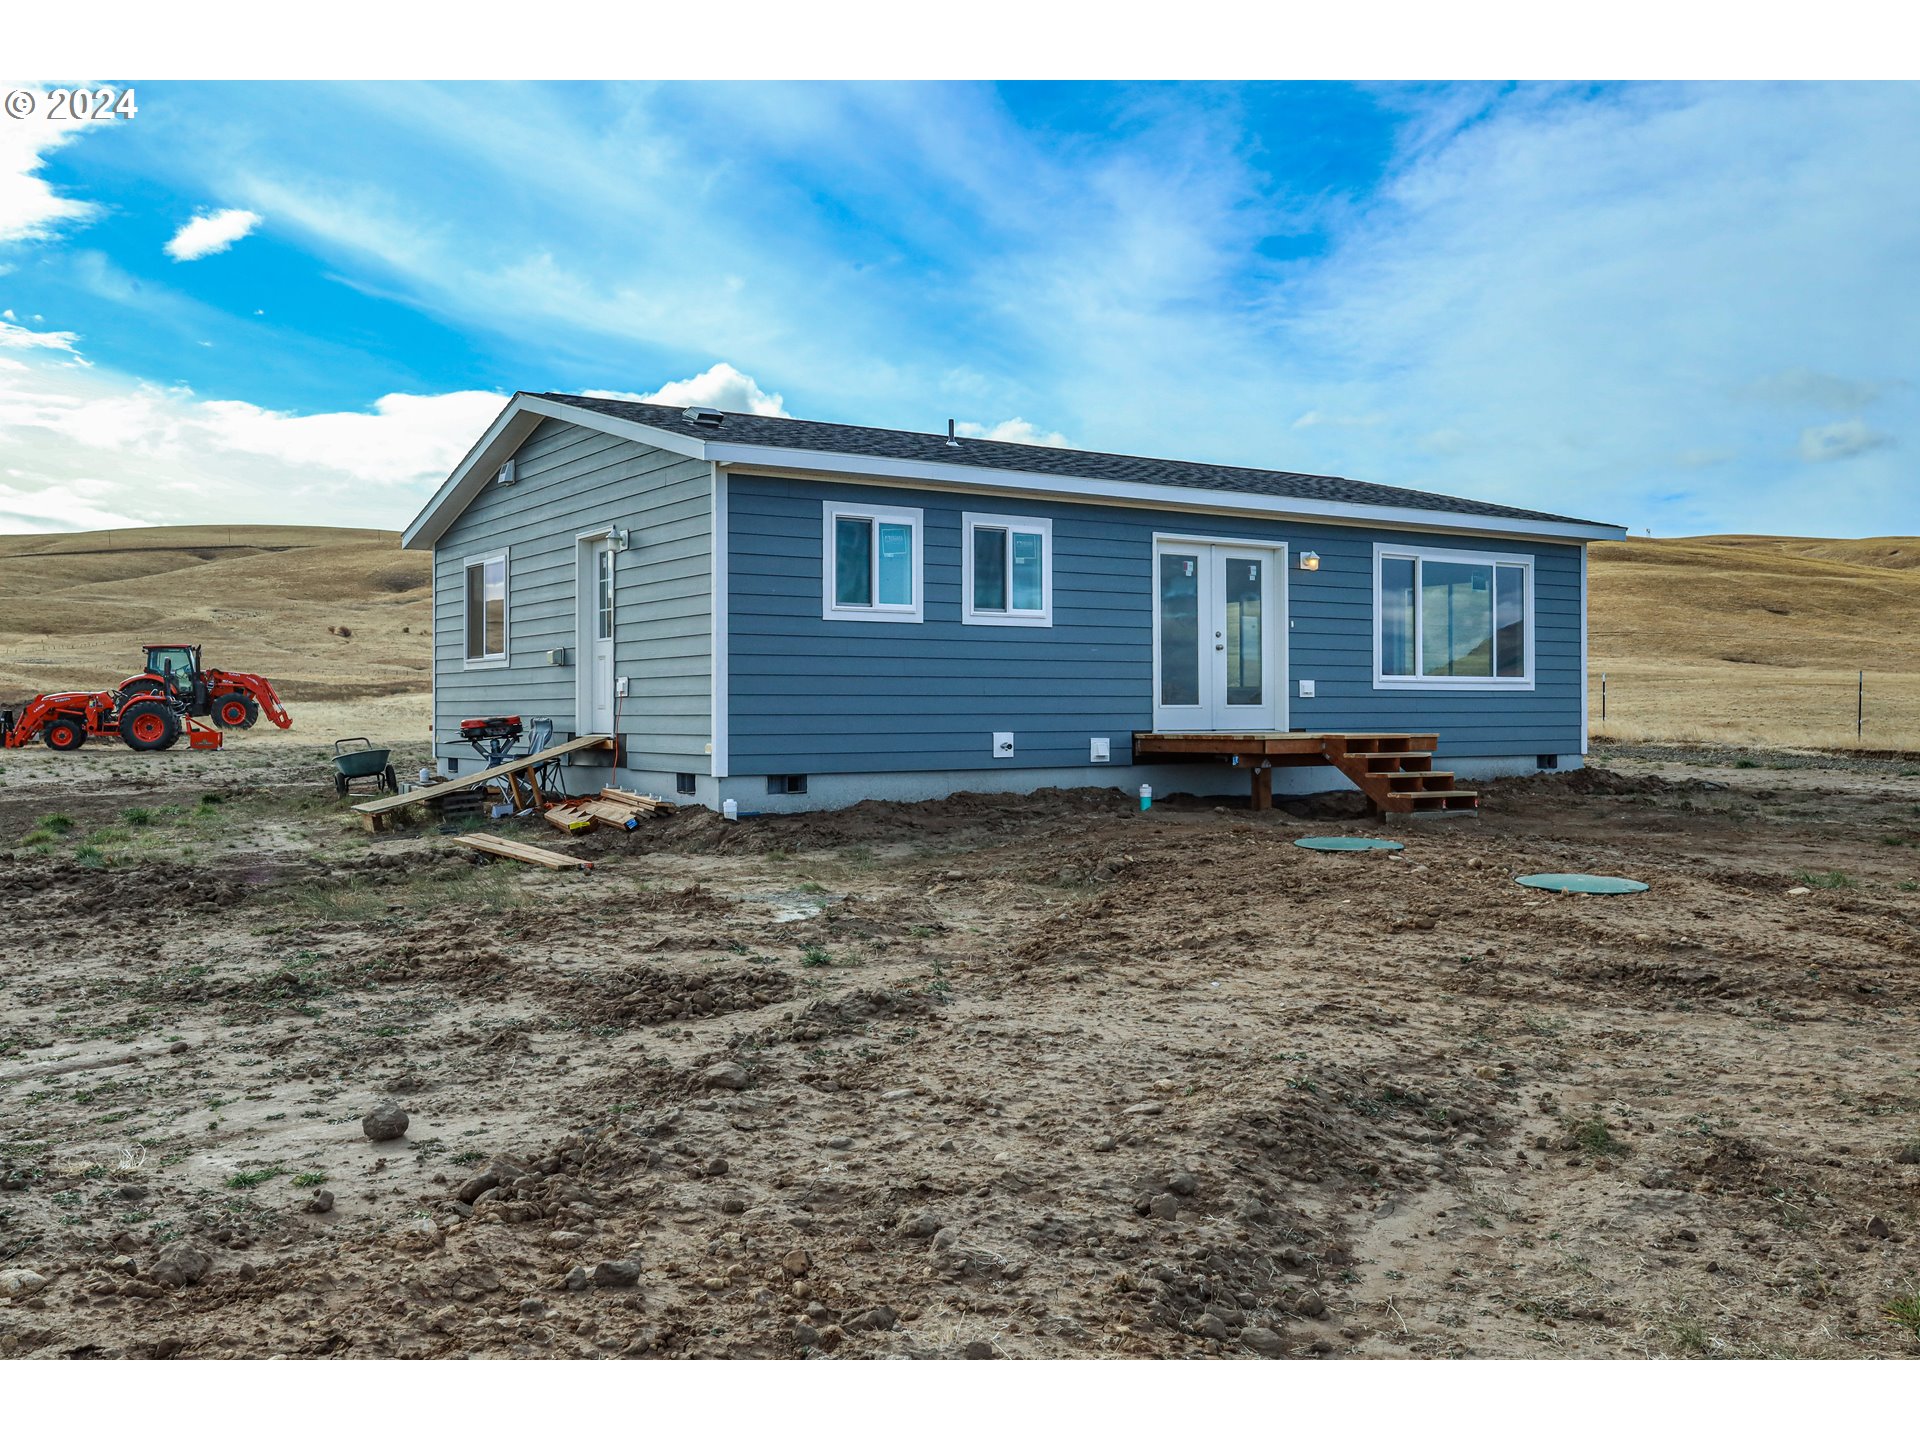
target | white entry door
[
  {"x": 596, "y": 638},
  {"x": 1219, "y": 637}
]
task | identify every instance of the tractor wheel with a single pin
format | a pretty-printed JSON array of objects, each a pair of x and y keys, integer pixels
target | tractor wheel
[
  {"x": 234, "y": 712},
  {"x": 149, "y": 725},
  {"x": 340, "y": 786},
  {"x": 253, "y": 713},
  {"x": 64, "y": 733},
  {"x": 389, "y": 781}
]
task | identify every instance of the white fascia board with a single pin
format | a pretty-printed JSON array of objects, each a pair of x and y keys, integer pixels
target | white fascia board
[
  {"x": 881, "y": 470},
  {"x": 509, "y": 430}
]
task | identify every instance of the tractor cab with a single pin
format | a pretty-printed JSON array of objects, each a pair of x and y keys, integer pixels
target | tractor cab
[{"x": 179, "y": 667}]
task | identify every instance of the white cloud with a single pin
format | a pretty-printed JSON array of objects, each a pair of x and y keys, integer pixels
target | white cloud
[
  {"x": 719, "y": 387},
  {"x": 30, "y": 208},
  {"x": 89, "y": 446},
  {"x": 210, "y": 234},
  {"x": 1841, "y": 441},
  {"x": 1015, "y": 431},
  {"x": 18, "y": 337}
]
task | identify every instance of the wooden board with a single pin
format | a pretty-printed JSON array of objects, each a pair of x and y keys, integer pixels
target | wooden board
[
  {"x": 518, "y": 850},
  {"x": 371, "y": 810}
]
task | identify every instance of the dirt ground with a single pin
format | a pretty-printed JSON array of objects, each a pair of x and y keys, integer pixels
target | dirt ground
[{"x": 999, "y": 1077}]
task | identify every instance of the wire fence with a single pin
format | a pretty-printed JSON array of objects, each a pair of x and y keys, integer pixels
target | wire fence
[{"x": 1757, "y": 705}]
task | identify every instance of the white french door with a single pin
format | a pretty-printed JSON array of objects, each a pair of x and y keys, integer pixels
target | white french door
[{"x": 1219, "y": 636}]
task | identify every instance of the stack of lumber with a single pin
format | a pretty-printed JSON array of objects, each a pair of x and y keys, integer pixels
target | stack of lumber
[{"x": 621, "y": 808}]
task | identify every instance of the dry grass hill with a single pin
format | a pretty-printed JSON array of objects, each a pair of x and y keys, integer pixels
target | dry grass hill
[
  {"x": 1743, "y": 639},
  {"x": 326, "y": 614},
  {"x": 1757, "y": 639}
]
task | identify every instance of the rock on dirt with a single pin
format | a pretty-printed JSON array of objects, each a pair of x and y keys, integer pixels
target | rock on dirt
[
  {"x": 613, "y": 1274},
  {"x": 1180, "y": 1182},
  {"x": 880, "y": 1317},
  {"x": 19, "y": 1284},
  {"x": 1908, "y": 1156},
  {"x": 321, "y": 1203},
  {"x": 796, "y": 1262},
  {"x": 492, "y": 1178},
  {"x": 178, "y": 1264},
  {"x": 977, "y": 1350},
  {"x": 724, "y": 1076},
  {"x": 1263, "y": 1341},
  {"x": 386, "y": 1121}
]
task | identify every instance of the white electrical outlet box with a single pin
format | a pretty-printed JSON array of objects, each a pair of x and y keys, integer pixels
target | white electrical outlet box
[
  {"x": 1002, "y": 744},
  {"x": 1306, "y": 689},
  {"x": 1102, "y": 751},
  {"x": 620, "y": 685}
]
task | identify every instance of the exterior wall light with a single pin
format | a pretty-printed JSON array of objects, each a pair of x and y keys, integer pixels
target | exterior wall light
[
  {"x": 1309, "y": 560},
  {"x": 618, "y": 539}
]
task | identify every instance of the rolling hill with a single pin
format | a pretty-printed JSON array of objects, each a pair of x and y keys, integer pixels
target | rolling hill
[
  {"x": 1757, "y": 638},
  {"x": 326, "y": 614}
]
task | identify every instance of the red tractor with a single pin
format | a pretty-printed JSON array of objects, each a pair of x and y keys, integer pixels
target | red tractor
[
  {"x": 233, "y": 701},
  {"x": 151, "y": 710}
]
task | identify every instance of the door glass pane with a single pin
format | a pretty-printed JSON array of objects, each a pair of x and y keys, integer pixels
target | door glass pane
[
  {"x": 853, "y": 562},
  {"x": 989, "y": 568},
  {"x": 1510, "y": 644},
  {"x": 1242, "y": 632},
  {"x": 605, "y": 592},
  {"x": 1396, "y": 616},
  {"x": 1456, "y": 618},
  {"x": 896, "y": 563},
  {"x": 1029, "y": 590},
  {"x": 1179, "y": 629},
  {"x": 496, "y": 607}
]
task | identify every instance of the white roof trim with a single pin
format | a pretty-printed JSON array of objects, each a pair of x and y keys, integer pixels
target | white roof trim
[{"x": 524, "y": 412}]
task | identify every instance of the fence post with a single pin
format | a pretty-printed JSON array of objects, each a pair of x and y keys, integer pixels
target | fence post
[
  {"x": 1860, "y": 708},
  {"x": 1603, "y": 697}
]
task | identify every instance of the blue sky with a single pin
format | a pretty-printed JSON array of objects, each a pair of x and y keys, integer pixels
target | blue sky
[{"x": 1684, "y": 308}]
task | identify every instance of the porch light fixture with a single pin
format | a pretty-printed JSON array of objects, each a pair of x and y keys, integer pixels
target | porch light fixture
[
  {"x": 618, "y": 539},
  {"x": 1309, "y": 560}
]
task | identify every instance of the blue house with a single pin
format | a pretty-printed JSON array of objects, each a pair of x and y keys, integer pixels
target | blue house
[{"x": 799, "y": 615}]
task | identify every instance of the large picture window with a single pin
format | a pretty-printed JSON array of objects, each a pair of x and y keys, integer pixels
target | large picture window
[
  {"x": 486, "y": 609},
  {"x": 872, "y": 564},
  {"x": 1452, "y": 619},
  {"x": 1006, "y": 570}
]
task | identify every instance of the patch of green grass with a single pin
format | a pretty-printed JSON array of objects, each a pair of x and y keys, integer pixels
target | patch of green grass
[
  {"x": 1904, "y": 1311},
  {"x": 1825, "y": 879},
  {"x": 310, "y": 1179},
  {"x": 137, "y": 815},
  {"x": 90, "y": 855},
  {"x": 469, "y": 1157},
  {"x": 1592, "y": 1136},
  {"x": 56, "y": 824},
  {"x": 815, "y": 957},
  {"x": 1746, "y": 764},
  {"x": 247, "y": 1179},
  {"x": 1690, "y": 1338}
]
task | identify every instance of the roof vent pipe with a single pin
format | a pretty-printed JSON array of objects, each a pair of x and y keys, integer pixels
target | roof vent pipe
[
  {"x": 952, "y": 439},
  {"x": 702, "y": 415}
]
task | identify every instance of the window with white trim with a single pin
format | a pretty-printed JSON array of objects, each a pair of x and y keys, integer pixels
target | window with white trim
[
  {"x": 1006, "y": 570},
  {"x": 872, "y": 562},
  {"x": 1452, "y": 619},
  {"x": 486, "y": 609}
]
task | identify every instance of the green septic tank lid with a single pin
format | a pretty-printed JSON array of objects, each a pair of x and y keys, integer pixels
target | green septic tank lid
[
  {"x": 1346, "y": 842},
  {"x": 1584, "y": 884}
]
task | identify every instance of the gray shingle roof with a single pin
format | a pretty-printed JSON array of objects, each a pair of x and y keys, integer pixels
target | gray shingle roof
[{"x": 912, "y": 445}]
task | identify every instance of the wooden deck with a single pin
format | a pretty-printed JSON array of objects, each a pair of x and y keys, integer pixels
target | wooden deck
[
  {"x": 515, "y": 772},
  {"x": 1393, "y": 770}
]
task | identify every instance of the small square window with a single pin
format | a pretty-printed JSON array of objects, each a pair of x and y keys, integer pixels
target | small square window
[
  {"x": 872, "y": 562},
  {"x": 683, "y": 783},
  {"x": 786, "y": 784},
  {"x": 1006, "y": 570}
]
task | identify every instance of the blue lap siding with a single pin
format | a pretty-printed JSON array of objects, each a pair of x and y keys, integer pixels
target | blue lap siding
[{"x": 808, "y": 695}]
